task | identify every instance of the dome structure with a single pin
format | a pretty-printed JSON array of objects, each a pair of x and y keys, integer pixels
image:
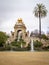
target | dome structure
[{"x": 19, "y": 24}]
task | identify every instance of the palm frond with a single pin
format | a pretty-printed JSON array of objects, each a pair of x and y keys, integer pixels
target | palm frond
[{"x": 40, "y": 8}]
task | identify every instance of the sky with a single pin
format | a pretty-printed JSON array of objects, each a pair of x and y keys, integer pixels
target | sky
[{"x": 11, "y": 10}]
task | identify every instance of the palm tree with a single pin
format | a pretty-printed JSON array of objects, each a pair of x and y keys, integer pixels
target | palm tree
[{"x": 40, "y": 11}]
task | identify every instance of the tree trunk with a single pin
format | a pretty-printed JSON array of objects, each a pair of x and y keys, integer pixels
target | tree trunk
[{"x": 39, "y": 26}]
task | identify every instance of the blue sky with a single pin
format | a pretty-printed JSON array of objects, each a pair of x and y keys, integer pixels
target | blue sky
[{"x": 11, "y": 10}]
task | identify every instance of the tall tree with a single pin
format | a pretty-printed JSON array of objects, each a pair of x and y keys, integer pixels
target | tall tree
[
  {"x": 40, "y": 11},
  {"x": 3, "y": 38}
]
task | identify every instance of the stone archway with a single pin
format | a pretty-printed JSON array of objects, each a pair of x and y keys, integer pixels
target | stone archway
[{"x": 19, "y": 34}]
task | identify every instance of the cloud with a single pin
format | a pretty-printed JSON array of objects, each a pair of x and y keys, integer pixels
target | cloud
[{"x": 10, "y": 10}]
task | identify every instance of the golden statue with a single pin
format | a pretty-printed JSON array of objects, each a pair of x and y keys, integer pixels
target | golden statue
[{"x": 20, "y": 20}]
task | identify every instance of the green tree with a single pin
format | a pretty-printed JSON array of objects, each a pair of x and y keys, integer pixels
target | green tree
[
  {"x": 40, "y": 11},
  {"x": 3, "y": 38}
]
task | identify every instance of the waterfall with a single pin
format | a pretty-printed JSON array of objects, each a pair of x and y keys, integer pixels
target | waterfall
[
  {"x": 21, "y": 46},
  {"x": 18, "y": 37},
  {"x": 32, "y": 47}
]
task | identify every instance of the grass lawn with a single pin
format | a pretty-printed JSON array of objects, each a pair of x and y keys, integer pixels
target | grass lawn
[{"x": 24, "y": 58}]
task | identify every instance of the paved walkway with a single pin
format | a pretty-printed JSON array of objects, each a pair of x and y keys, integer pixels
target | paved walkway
[{"x": 24, "y": 58}]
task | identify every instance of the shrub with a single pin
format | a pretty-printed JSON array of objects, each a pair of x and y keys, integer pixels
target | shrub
[
  {"x": 28, "y": 47},
  {"x": 18, "y": 43},
  {"x": 43, "y": 36},
  {"x": 37, "y": 43},
  {"x": 7, "y": 47},
  {"x": 46, "y": 48},
  {"x": 2, "y": 48}
]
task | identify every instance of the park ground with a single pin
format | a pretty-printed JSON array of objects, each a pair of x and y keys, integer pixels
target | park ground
[{"x": 24, "y": 58}]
